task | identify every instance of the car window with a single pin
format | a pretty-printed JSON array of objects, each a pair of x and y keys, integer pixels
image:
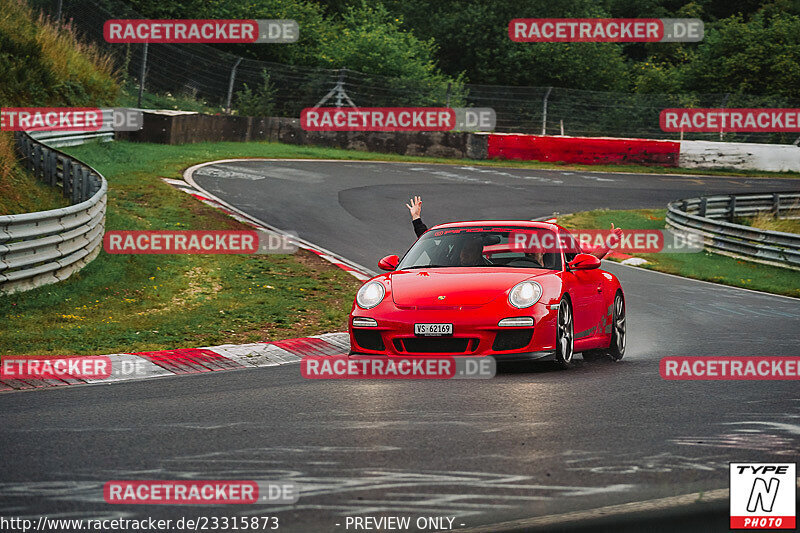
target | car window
[{"x": 479, "y": 247}]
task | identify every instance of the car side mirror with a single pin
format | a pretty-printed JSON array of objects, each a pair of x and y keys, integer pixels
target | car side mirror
[
  {"x": 584, "y": 262},
  {"x": 389, "y": 262}
]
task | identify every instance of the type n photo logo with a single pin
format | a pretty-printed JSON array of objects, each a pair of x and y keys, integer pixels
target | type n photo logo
[{"x": 763, "y": 495}]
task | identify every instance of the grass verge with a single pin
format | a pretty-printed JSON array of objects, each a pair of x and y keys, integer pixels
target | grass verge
[
  {"x": 705, "y": 266},
  {"x": 768, "y": 222},
  {"x": 20, "y": 191},
  {"x": 124, "y": 303},
  {"x": 143, "y": 154}
]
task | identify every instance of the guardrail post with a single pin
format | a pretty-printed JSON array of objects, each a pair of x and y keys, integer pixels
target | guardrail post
[
  {"x": 685, "y": 206},
  {"x": 703, "y": 205},
  {"x": 28, "y": 151},
  {"x": 77, "y": 179},
  {"x": 35, "y": 156},
  {"x": 66, "y": 179},
  {"x": 732, "y": 208},
  {"x": 776, "y": 205},
  {"x": 53, "y": 164}
]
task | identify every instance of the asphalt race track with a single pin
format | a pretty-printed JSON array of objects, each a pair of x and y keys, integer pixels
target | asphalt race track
[{"x": 529, "y": 443}]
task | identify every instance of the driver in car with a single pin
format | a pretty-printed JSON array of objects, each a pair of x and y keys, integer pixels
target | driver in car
[{"x": 471, "y": 255}]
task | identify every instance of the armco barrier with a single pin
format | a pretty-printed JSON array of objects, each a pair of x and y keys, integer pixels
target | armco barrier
[
  {"x": 58, "y": 139},
  {"x": 711, "y": 216},
  {"x": 48, "y": 246},
  {"x": 583, "y": 150}
]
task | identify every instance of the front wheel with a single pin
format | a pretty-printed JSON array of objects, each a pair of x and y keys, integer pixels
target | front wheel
[
  {"x": 565, "y": 334},
  {"x": 618, "y": 329}
]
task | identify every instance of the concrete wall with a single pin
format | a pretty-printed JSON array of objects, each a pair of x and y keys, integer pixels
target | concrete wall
[
  {"x": 744, "y": 156},
  {"x": 583, "y": 150}
]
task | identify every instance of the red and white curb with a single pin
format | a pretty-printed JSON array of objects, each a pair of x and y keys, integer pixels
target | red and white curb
[
  {"x": 199, "y": 360},
  {"x": 189, "y": 186}
]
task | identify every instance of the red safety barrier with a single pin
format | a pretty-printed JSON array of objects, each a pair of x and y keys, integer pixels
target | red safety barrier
[{"x": 584, "y": 150}]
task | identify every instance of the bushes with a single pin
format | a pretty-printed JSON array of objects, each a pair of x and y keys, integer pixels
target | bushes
[
  {"x": 44, "y": 65},
  {"x": 258, "y": 103}
]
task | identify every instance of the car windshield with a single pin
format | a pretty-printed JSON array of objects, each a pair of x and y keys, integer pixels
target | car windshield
[{"x": 483, "y": 247}]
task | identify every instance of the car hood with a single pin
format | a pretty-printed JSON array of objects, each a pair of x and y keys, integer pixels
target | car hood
[{"x": 460, "y": 286}]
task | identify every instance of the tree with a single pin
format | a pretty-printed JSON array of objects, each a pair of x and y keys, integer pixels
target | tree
[
  {"x": 760, "y": 57},
  {"x": 258, "y": 103}
]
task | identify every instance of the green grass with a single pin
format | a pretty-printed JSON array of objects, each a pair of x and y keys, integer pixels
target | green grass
[
  {"x": 768, "y": 222},
  {"x": 129, "y": 97},
  {"x": 703, "y": 265},
  {"x": 142, "y": 153},
  {"x": 123, "y": 303},
  {"x": 20, "y": 192}
]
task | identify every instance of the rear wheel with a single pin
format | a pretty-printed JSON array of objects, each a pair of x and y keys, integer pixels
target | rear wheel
[
  {"x": 565, "y": 334},
  {"x": 616, "y": 348}
]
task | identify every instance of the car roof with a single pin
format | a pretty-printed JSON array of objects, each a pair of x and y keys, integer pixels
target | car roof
[{"x": 499, "y": 223}]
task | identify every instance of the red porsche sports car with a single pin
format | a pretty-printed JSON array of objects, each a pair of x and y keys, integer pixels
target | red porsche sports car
[{"x": 509, "y": 289}]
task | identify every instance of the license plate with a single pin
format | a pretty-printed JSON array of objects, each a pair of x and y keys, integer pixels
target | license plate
[{"x": 433, "y": 330}]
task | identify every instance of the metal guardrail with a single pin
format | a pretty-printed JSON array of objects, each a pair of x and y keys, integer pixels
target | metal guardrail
[
  {"x": 712, "y": 216},
  {"x": 48, "y": 246},
  {"x": 58, "y": 139}
]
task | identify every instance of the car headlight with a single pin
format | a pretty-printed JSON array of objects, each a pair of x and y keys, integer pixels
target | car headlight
[
  {"x": 525, "y": 294},
  {"x": 370, "y": 294}
]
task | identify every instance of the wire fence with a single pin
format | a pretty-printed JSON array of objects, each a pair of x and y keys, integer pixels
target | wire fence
[{"x": 213, "y": 76}]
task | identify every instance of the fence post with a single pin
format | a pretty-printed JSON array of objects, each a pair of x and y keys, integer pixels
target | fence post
[
  {"x": 447, "y": 95},
  {"x": 340, "y": 85},
  {"x": 141, "y": 75},
  {"x": 58, "y": 12},
  {"x": 724, "y": 103},
  {"x": 230, "y": 85},
  {"x": 544, "y": 111}
]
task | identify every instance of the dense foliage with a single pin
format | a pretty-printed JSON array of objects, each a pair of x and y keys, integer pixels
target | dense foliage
[{"x": 750, "y": 46}]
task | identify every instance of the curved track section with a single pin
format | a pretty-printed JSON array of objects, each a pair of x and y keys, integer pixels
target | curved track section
[{"x": 530, "y": 443}]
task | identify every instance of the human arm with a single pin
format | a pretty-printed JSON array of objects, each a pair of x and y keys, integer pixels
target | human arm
[{"x": 415, "y": 208}]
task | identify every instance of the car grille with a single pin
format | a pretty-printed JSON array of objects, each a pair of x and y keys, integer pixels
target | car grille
[
  {"x": 435, "y": 345},
  {"x": 514, "y": 339},
  {"x": 368, "y": 339}
]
